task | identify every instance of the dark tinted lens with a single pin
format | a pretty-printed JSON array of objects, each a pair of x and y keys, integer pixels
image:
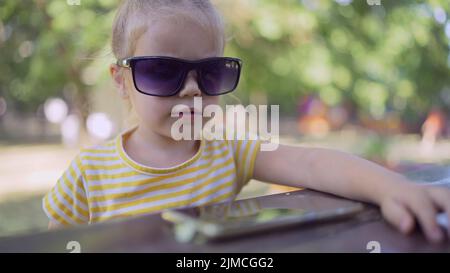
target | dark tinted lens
[
  {"x": 219, "y": 76},
  {"x": 159, "y": 77}
]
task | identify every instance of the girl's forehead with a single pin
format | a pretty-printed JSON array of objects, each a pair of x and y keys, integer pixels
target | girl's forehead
[{"x": 182, "y": 38}]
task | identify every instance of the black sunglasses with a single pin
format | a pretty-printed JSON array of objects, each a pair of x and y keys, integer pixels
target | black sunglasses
[{"x": 164, "y": 76}]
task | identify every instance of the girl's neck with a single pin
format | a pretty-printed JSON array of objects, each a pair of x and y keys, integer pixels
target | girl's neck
[
  {"x": 165, "y": 143},
  {"x": 155, "y": 150}
]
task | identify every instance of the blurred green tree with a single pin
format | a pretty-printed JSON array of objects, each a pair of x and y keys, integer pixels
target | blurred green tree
[
  {"x": 47, "y": 48},
  {"x": 392, "y": 57}
]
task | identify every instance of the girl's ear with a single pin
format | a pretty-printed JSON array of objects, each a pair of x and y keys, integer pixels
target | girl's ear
[{"x": 119, "y": 80}]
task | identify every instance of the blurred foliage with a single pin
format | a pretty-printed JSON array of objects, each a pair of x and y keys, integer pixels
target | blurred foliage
[
  {"x": 47, "y": 48},
  {"x": 393, "y": 57}
]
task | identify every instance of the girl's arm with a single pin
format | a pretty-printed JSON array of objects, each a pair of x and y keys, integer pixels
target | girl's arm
[
  {"x": 53, "y": 225},
  {"x": 343, "y": 174}
]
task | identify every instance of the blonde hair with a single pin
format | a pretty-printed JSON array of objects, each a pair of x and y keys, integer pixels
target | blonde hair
[{"x": 128, "y": 26}]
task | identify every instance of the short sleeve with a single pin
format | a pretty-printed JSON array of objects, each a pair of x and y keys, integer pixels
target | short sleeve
[
  {"x": 66, "y": 203},
  {"x": 244, "y": 153}
]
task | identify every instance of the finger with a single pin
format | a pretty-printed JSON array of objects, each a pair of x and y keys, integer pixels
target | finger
[
  {"x": 441, "y": 197},
  {"x": 399, "y": 216},
  {"x": 422, "y": 206}
]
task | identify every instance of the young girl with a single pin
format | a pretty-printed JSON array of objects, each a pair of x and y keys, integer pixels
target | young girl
[{"x": 176, "y": 48}]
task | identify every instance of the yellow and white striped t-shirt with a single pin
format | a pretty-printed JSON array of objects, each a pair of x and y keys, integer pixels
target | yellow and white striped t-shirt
[{"x": 103, "y": 183}]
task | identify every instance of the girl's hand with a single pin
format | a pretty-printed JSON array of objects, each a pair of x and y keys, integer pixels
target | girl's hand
[{"x": 409, "y": 202}]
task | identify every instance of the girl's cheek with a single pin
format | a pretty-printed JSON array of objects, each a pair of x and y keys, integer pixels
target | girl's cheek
[
  {"x": 210, "y": 100},
  {"x": 153, "y": 110},
  {"x": 142, "y": 106}
]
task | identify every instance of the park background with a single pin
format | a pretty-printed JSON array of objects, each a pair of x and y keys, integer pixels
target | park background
[{"x": 350, "y": 75}]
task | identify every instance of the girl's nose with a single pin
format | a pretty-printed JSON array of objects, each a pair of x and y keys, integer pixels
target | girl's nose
[{"x": 190, "y": 87}]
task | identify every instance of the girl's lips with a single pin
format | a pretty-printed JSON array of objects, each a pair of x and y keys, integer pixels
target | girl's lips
[{"x": 192, "y": 112}]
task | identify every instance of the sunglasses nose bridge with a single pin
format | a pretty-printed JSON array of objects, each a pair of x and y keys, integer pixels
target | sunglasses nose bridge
[{"x": 192, "y": 67}]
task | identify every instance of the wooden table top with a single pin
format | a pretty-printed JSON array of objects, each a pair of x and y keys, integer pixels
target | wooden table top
[{"x": 153, "y": 234}]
